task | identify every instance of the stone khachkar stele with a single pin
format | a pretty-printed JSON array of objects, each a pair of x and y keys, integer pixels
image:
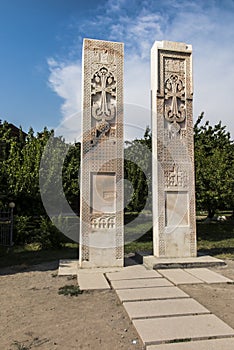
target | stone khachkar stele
[
  {"x": 101, "y": 228},
  {"x": 174, "y": 220}
]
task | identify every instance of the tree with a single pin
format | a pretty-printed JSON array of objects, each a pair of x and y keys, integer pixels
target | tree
[
  {"x": 214, "y": 166},
  {"x": 23, "y": 164},
  {"x": 71, "y": 168},
  {"x": 137, "y": 170}
]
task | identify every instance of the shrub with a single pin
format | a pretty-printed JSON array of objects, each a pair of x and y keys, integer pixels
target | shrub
[{"x": 28, "y": 229}]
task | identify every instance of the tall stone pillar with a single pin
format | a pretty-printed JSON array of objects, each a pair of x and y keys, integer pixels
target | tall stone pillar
[
  {"x": 174, "y": 220},
  {"x": 101, "y": 230}
]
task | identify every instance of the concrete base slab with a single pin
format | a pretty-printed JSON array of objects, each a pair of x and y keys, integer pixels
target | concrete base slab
[
  {"x": 179, "y": 276},
  {"x": 99, "y": 269},
  {"x": 153, "y": 262},
  {"x": 68, "y": 267},
  {"x": 168, "y": 329},
  {"x": 133, "y": 272},
  {"x": 88, "y": 281},
  {"x": 162, "y": 308},
  {"x": 214, "y": 344},
  {"x": 208, "y": 276},
  {"x": 141, "y": 283},
  {"x": 159, "y": 293}
]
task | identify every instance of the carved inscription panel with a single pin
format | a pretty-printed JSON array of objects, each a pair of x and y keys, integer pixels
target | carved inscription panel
[
  {"x": 103, "y": 193},
  {"x": 176, "y": 203}
]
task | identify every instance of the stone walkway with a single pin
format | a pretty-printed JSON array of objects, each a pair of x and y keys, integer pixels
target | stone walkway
[{"x": 165, "y": 317}]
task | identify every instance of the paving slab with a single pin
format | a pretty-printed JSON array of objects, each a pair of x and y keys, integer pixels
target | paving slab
[
  {"x": 159, "y": 308},
  {"x": 141, "y": 283},
  {"x": 208, "y": 276},
  {"x": 88, "y": 281},
  {"x": 159, "y": 330},
  {"x": 133, "y": 272},
  {"x": 179, "y": 276},
  {"x": 214, "y": 344},
  {"x": 150, "y": 293},
  {"x": 67, "y": 267}
]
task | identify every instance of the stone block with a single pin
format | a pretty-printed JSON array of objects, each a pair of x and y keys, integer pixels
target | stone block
[
  {"x": 68, "y": 267},
  {"x": 207, "y": 275},
  {"x": 133, "y": 272},
  {"x": 169, "y": 307},
  {"x": 141, "y": 283},
  {"x": 89, "y": 281},
  {"x": 150, "y": 293},
  {"x": 213, "y": 344},
  {"x": 169, "y": 329},
  {"x": 179, "y": 276}
]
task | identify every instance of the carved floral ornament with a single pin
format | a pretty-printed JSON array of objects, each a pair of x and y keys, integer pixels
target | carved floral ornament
[
  {"x": 175, "y": 100},
  {"x": 103, "y": 55},
  {"x": 104, "y": 221},
  {"x": 103, "y": 100}
]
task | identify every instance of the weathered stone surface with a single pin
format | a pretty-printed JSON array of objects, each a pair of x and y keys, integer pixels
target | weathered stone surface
[
  {"x": 154, "y": 262},
  {"x": 133, "y": 272},
  {"x": 68, "y": 267},
  {"x": 101, "y": 229},
  {"x": 208, "y": 276},
  {"x": 174, "y": 221},
  {"x": 169, "y": 307},
  {"x": 179, "y": 276},
  {"x": 88, "y": 281},
  {"x": 159, "y": 330},
  {"x": 217, "y": 344},
  {"x": 150, "y": 293},
  {"x": 141, "y": 283}
]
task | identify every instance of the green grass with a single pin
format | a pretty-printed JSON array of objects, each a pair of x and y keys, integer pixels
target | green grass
[
  {"x": 70, "y": 290},
  {"x": 215, "y": 239},
  {"x": 138, "y": 236},
  {"x": 32, "y": 254}
]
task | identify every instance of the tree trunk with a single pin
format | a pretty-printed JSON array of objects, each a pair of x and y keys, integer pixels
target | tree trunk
[{"x": 211, "y": 213}]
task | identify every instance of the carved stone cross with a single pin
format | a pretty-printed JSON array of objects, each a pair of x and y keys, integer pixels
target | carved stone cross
[
  {"x": 174, "y": 89},
  {"x": 103, "y": 84}
]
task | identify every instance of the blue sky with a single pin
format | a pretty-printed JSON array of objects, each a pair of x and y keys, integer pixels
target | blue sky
[{"x": 41, "y": 45}]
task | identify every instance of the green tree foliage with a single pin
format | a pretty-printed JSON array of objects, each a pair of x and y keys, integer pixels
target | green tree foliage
[
  {"x": 214, "y": 165},
  {"x": 71, "y": 170},
  {"x": 137, "y": 170},
  {"x": 21, "y": 164},
  {"x": 4, "y": 149},
  {"x": 24, "y": 158}
]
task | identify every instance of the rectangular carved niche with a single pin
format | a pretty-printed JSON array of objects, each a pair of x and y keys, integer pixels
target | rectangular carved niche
[
  {"x": 103, "y": 193},
  {"x": 176, "y": 204}
]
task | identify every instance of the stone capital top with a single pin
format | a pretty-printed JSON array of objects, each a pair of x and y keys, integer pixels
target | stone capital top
[{"x": 172, "y": 46}]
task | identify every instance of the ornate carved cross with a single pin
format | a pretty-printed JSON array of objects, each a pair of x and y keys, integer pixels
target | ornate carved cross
[
  {"x": 174, "y": 90},
  {"x": 103, "y": 83}
]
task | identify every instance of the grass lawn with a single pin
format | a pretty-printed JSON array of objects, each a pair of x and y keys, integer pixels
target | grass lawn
[
  {"x": 215, "y": 239},
  {"x": 32, "y": 255}
]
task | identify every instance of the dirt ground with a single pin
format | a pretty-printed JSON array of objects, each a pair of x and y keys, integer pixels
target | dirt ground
[
  {"x": 218, "y": 298},
  {"x": 34, "y": 316}
]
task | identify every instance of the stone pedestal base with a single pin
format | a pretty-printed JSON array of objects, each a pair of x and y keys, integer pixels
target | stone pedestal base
[{"x": 153, "y": 262}]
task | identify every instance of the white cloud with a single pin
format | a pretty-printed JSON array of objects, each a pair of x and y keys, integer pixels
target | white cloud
[
  {"x": 208, "y": 26},
  {"x": 65, "y": 80}
]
